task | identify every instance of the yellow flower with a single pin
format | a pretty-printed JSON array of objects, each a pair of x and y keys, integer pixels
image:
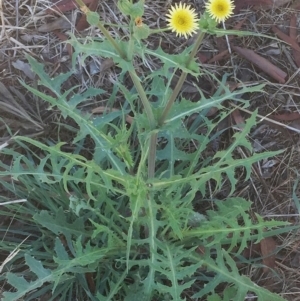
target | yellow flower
[
  {"x": 182, "y": 19},
  {"x": 220, "y": 10},
  {"x": 138, "y": 22}
]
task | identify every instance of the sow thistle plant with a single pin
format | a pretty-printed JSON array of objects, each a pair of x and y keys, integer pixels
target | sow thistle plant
[{"x": 120, "y": 224}]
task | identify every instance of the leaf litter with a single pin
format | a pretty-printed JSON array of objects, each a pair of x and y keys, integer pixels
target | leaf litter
[{"x": 25, "y": 32}]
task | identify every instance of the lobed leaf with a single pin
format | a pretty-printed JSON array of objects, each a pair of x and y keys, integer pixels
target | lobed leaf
[
  {"x": 22, "y": 286},
  {"x": 226, "y": 271}
]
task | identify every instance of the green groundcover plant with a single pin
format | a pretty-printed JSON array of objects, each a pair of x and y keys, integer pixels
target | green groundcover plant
[{"x": 117, "y": 221}]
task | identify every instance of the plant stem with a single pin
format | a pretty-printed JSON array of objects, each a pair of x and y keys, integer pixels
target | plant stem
[
  {"x": 180, "y": 80},
  {"x": 152, "y": 122},
  {"x": 152, "y": 155},
  {"x": 105, "y": 32},
  {"x": 133, "y": 75},
  {"x": 152, "y": 144},
  {"x": 172, "y": 98},
  {"x": 144, "y": 99},
  {"x": 130, "y": 49},
  {"x": 136, "y": 81}
]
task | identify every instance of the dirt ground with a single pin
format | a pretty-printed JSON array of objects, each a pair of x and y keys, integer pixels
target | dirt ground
[{"x": 39, "y": 29}]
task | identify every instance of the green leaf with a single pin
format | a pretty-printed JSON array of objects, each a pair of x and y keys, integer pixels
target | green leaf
[
  {"x": 131, "y": 9},
  {"x": 214, "y": 297},
  {"x": 227, "y": 272},
  {"x": 103, "y": 49},
  {"x": 230, "y": 225},
  {"x": 92, "y": 17},
  {"x": 172, "y": 265},
  {"x": 58, "y": 225},
  {"x": 23, "y": 286},
  {"x": 141, "y": 32},
  {"x": 114, "y": 287},
  {"x": 137, "y": 192},
  {"x": 113, "y": 241},
  {"x": 174, "y": 60},
  {"x": 92, "y": 127},
  {"x": 125, "y": 7},
  {"x": 137, "y": 9},
  {"x": 186, "y": 107},
  {"x": 59, "y": 166},
  {"x": 136, "y": 294}
]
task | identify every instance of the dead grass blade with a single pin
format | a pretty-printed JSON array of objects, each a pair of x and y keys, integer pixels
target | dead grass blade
[
  {"x": 12, "y": 255},
  {"x": 10, "y": 105},
  {"x": 13, "y": 202}
]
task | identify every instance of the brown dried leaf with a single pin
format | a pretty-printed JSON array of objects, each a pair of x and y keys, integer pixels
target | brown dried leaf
[
  {"x": 106, "y": 64},
  {"x": 59, "y": 23},
  {"x": 203, "y": 58},
  {"x": 261, "y": 63},
  {"x": 286, "y": 116},
  {"x": 293, "y": 35},
  {"x": 100, "y": 110},
  {"x": 83, "y": 23},
  {"x": 238, "y": 118},
  {"x": 222, "y": 55},
  {"x": 295, "y": 124},
  {"x": 278, "y": 3},
  {"x": 251, "y": 251},
  {"x": 296, "y": 5},
  {"x": 286, "y": 38},
  {"x": 267, "y": 248},
  {"x": 240, "y": 4},
  {"x": 91, "y": 282},
  {"x": 64, "y": 37},
  {"x": 222, "y": 45},
  {"x": 65, "y": 5},
  {"x": 25, "y": 67},
  {"x": 266, "y": 4}
]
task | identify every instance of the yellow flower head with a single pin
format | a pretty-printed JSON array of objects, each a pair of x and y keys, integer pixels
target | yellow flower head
[
  {"x": 220, "y": 10},
  {"x": 182, "y": 19},
  {"x": 138, "y": 22}
]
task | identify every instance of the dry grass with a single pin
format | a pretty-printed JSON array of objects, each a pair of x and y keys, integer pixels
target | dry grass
[{"x": 25, "y": 30}]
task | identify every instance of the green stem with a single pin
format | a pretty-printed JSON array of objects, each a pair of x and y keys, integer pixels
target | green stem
[
  {"x": 144, "y": 99},
  {"x": 105, "y": 32},
  {"x": 159, "y": 30},
  {"x": 123, "y": 55},
  {"x": 153, "y": 138},
  {"x": 130, "y": 49},
  {"x": 152, "y": 122},
  {"x": 152, "y": 155},
  {"x": 172, "y": 98},
  {"x": 180, "y": 80},
  {"x": 136, "y": 81}
]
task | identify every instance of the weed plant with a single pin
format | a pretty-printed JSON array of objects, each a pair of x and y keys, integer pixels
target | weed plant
[{"x": 119, "y": 223}]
